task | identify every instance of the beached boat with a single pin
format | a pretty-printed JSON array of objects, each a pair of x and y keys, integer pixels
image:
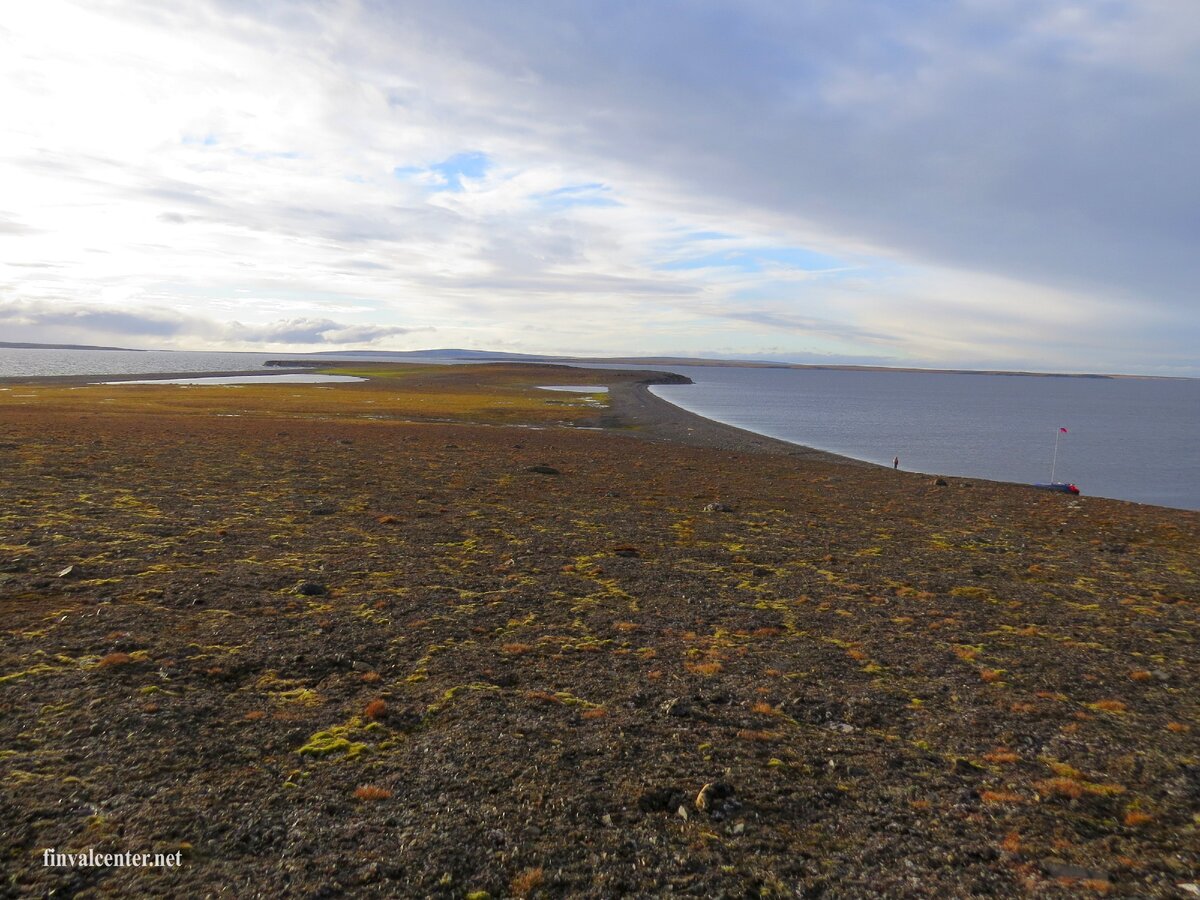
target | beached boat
[{"x": 1061, "y": 486}]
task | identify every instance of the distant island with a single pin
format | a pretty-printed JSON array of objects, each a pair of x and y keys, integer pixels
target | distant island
[
  {"x": 323, "y": 357},
  {"x": 499, "y": 356},
  {"x": 11, "y": 345}
]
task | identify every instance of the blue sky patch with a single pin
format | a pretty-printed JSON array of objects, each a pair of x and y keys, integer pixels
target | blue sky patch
[
  {"x": 590, "y": 194},
  {"x": 450, "y": 171},
  {"x": 757, "y": 260},
  {"x": 454, "y": 169}
]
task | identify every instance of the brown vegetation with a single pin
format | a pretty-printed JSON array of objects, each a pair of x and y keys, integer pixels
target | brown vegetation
[{"x": 948, "y": 674}]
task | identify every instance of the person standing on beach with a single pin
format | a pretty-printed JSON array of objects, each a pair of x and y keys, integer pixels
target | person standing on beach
[{"x": 896, "y": 462}]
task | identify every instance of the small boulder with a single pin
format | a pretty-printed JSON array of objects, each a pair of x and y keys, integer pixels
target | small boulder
[
  {"x": 718, "y": 507},
  {"x": 676, "y": 708},
  {"x": 712, "y": 797},
  {"x": 941, "y": 482},
  {"x": 664, "y": 799},
  {"x": 543, "y": 470},
  {"x": 311, "y": 589},
  {"x": 1057, "y": 868}
]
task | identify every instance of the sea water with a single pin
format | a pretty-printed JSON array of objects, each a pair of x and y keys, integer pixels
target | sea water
[{"x": 1127, "y": 438}]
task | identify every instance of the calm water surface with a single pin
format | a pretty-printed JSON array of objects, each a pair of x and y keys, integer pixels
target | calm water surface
[
  {"x": 1130, "y": 439},
  {"x": 297, "y": 378}
]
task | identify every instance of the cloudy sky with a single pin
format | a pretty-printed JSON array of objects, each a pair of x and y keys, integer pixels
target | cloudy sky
[{"x": 990, "y": 183}]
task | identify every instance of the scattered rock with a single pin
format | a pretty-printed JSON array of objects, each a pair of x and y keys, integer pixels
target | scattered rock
[
  {"x": 323, "y": 509},
  {"x": 712, "y": 796},
  {"x": 941, "y": 482},
  {"x": 841, "y": 727},
  {"x": 682, "y": 812},
  {"x": 626, "y": 551},
  {"x": 543, "y": 470},
  {"x": 311, "y": 589},
  {"x": 718, "y": 507},
  {"x": 661, "y": 799},
  {"x": 677, "y": 708},
  {"x": 1057, "y": 868},
  {"x": 1190, "y": 888},
  {"x": 607, "y": 820},
  {"x": 67, "y": 572},
  {"x": 739, "y": 828}
]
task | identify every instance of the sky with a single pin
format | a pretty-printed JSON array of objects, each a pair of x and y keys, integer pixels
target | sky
[{"x": 945, "y": 183}]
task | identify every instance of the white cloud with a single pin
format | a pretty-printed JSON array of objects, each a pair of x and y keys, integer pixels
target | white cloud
[{"x": 993, "y": 181}]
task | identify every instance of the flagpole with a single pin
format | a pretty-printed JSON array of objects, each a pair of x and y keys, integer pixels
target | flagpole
[{"x": 1054, "y": 461}]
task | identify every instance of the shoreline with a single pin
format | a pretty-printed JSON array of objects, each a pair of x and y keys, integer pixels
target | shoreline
[
  {"x": 634, "y": 410},
  {"x": 655, "y": 419},
  {"x": 82, "y": 380},
  {"x": 663, "y": 420}
]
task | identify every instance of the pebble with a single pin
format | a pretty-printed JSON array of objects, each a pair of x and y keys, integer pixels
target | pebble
[{"x": 1057, "y": 868}]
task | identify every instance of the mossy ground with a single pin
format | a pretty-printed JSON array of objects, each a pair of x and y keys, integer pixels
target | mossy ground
[{"x": 910, "y": 689}]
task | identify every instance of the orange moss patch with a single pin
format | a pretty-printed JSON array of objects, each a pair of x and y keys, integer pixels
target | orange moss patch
[
  {"x": 765, "y": 709},
  {"x": 1136, "y": 818},
  {"x": 526, "y": 882},
  {"x": 591, "y": 714},
  {"x": 991, "y": 675},
  {"x": 254, "y": 715},
  {"x": 1140, "y": 675},
  {"x": 762, "y": 737},
  {"x": 376, "y": 710},
  {"x": 1178, "y": 727},
  {"x": 1000, "y": 797},
  {"x": 1001, "y": 756},
  {"x": 704, "y": 668},
  {"x": 370, "y": 677},
  {"x": 1109, "y": 706},
  {"x": 115, "y": 659},
  {"x": 1060, "y": 787},
  {"x": 370, "y": 793},
  {"x": 1011, "y": 843},
  {"x": 516, "y": 649}
]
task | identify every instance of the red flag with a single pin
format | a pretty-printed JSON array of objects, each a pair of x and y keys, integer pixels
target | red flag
[{"x": 1063, "y": 430}]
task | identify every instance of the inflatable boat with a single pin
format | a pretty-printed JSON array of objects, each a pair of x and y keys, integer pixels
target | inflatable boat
[{"x": 1060, "y": 486}]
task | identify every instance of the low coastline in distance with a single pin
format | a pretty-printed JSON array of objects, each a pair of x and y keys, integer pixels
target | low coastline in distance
[{"x": 1131, "y": 437}]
